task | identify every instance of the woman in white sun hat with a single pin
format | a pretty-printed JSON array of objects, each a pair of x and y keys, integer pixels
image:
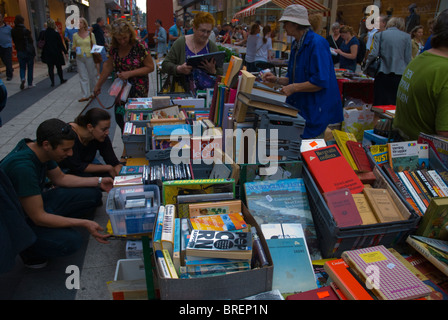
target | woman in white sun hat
[{"x": 310, "y": 83}]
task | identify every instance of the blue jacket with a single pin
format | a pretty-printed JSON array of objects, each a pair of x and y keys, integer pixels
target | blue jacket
[{"x": 313, "y": 63}]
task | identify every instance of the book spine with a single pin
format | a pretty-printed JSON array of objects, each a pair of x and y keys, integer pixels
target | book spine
[
  {"x": 168, "y": 227},
  {"x": 425, "y": 253},
  {"x": 342, "y": 143},
  {"x": 416, "y": 188},
  {"x": 170, "y": 264},
  {"x": 439, "y": 181},
  {"x": 163, "y": 267},
  {"x": 427, "y": 185},
  {"x": 401, "y": 187},
  {"x": 433, "y": 183},
  {"x": 412, "y": 192}
]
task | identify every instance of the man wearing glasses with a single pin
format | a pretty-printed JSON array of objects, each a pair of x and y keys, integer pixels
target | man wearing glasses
[{"x": 53, "y": 211}]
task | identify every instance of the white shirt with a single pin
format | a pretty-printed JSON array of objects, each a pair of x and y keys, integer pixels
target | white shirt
[{"x": 263, "y": 49}]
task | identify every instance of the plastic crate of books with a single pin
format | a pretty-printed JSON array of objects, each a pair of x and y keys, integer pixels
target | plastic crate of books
[
  {"x": 134, "y": 139},
  {"x": 334, "y": 240},
  {"x": 132, "y": 210},
  {"x": 427, "y": 176},
  {"x": 233, "y": 285},
  {"x": 160, "y": 147},
  {"x": 286, "y": 151},
  {"x": 288, "y": 128},
  {"x": 138, "y": 116}
]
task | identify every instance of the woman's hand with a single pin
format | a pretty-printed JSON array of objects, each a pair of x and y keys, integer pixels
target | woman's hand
[
  {"x": 209, "y": 66},
  {"x": 124, "y": 75},
  {"x": 184, "y": 69}
]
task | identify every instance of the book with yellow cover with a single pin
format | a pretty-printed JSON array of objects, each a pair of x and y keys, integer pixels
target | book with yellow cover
[
  {"x": 341, "y": 138},
  {"x": 219, "y": 222}
]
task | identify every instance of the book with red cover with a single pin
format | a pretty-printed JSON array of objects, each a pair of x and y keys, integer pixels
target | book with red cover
[
  {"x": 343, "y": 208},
  {"x": 330, "y": 170},
  {"x": 359, "y": 155},
  {"x": 352, "y": 289},
  {"x": 417, "y": 189},
  {"x": 323, "y": 293},
  {"x": 383, "y": 109},
  {"x": 391, "y": 280}
]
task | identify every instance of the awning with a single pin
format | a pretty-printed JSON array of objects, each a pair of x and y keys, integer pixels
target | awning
[
  {"x": 311, "y": 5},
  {"x": 250, "y": 11}
]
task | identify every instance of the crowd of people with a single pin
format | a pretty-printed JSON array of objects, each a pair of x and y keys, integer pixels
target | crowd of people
[{"x": 410, "y": 76}]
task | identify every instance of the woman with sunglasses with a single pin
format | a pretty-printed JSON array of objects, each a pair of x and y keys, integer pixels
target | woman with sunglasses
[
  {"x": 190, "y": 45},
  {"x": 131, "y": 61}
]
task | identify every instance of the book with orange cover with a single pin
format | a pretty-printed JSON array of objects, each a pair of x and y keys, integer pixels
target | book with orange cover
[
  {"x": 219, "y": 222},
  {"x": 352, "y": 289},
  {"x": 330, "y": 170}
]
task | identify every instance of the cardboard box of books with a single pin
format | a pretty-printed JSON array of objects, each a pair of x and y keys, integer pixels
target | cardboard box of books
[{"x": 212, "y": 281}]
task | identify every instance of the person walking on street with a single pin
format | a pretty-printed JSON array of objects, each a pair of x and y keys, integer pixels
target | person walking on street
[
  {"x": 83, "y": 41},
  {"x": 6, "y": 47},
  {"x": 25, "y": 50},
  {"x": 160, "y": 39},
  {"x": 53, "y": 52}
]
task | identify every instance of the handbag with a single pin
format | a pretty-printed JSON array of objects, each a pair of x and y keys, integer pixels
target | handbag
[
  {"x": 373, "y": 67},
  {"x": 97, "y": 58}
]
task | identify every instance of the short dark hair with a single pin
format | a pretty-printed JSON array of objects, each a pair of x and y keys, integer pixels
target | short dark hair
[
  {"x": 19, "y": 19},
  {"x": 98, "y": 20},
  {"x": 93, "y": 116},
  {"x": 440, "y": 30},
  {"x": 159, "y": 21},
  {"x": 54, "y": 131}
]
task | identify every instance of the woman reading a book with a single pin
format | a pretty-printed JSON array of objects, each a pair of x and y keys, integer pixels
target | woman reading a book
[
  {"x": 191, "y": 45},
  {"x": 310, "y": 84},
  {"x": 92, "y": 136}
]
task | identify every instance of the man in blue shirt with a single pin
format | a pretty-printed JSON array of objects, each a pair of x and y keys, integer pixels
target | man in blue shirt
[
  {"x": 175, "y": 32},
  {"x": 6, "y": 47},
  {"x": 68, "y": 37},
  {"x": 310, "y": 84}
]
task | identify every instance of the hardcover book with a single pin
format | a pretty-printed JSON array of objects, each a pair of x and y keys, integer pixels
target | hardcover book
[
  {"x": 380, "y": 153},
  {"x": 359, "y": 155},
  {"x": 430, "y": 255},
  {"x": 403, "y": 155},
  {"x": 322, "y": 163},
  {"x": 351, "y": 288},
  {"x": 341, "y": 138},
  {"x": 131, "y": 170},
  {"x": 129, "y": 180},
  {"x": 283, "y": 201},
  {"x": 435, "y": 219},
  {"x": 220, "y": 244},
  {"x": 394, "y": 280},
  {"x": 366, "y": 213},
  {"x": 343, "y": 208},
  {"x": 382, "y": 205}
]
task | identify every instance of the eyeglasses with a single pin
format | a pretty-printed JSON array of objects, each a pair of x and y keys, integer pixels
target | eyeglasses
[{"x": 205, "y": 31}]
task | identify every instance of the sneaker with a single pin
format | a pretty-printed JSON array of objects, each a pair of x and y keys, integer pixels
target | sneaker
[
  {"x": 36, "y": 263},
  {"x": 31, "y": 86},
  {"x": 22, "y": 85},
  {"x": 63, "y": 81}
]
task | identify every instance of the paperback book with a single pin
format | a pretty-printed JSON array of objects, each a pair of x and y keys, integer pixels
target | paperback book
[{"x": 283, "y": 201}]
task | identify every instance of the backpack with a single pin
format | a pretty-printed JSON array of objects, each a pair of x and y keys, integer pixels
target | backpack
[{"x": 361, "y": 51}]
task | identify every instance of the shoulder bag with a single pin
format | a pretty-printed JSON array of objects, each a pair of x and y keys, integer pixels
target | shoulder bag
[{"x": 373, "y": 67}]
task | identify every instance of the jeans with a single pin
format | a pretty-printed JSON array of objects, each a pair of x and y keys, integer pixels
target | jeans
[
  {"x": 6, "y": 56},
  {"x": 66, "y": 202},
  {"x": 26, "y": 62}
]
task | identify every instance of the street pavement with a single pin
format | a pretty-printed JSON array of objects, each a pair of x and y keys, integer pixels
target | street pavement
[{"x": 24, "y": 111}]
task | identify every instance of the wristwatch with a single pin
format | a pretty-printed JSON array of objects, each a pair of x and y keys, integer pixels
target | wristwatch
[{"x": 100, "y": 179}]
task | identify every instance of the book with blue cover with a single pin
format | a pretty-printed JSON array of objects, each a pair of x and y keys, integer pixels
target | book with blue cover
[
  {"x": 293, "y": 270},
  {"x": 167, "y": 130},
  {"x": 283, "y": 201}
]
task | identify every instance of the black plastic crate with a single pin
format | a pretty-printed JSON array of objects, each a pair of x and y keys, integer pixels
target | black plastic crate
[
  {"x": 334, "y": 240},
  {"x": 289, "y": 128}
]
